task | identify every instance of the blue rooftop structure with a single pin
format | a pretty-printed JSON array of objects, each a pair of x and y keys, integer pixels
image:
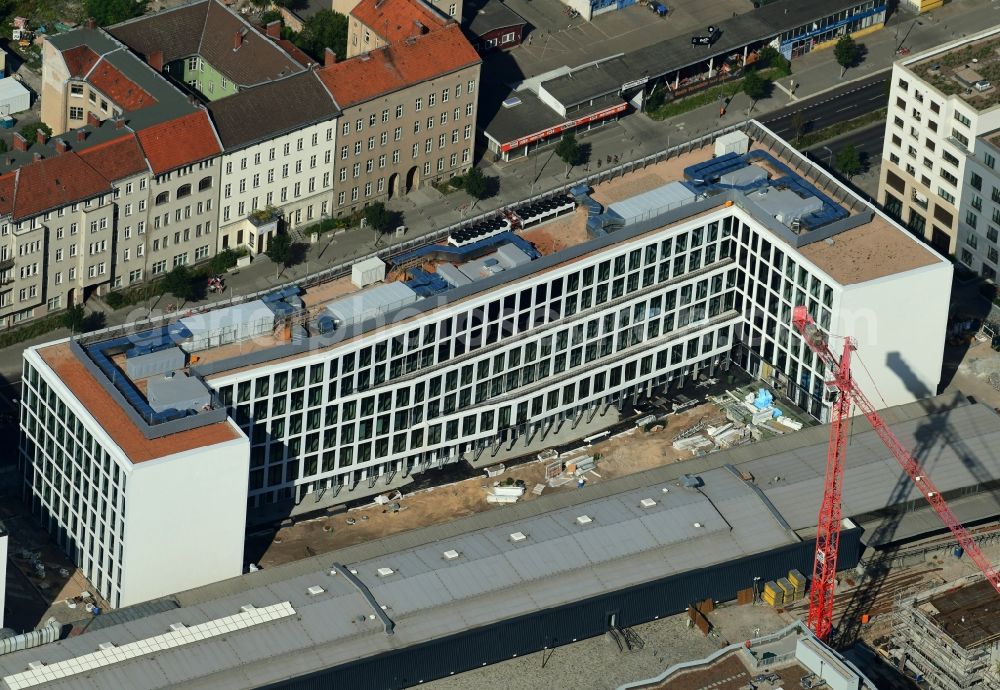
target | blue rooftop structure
[{"x": 706, "y": 177}]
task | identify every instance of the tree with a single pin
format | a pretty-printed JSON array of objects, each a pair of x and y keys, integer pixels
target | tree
[
  {"x": 30, "y": 131},
  {"x": 849, "y": 161},
  {"x": 755, "y": 87},
  {"x": 279, "y": 249},
  {"x": 74, "y": 318},
  {"x": 106, "y": 12},
  {"x": 798, "y": 121},
  {"x": 657, "y": 97},
  {"x": 180, "y": 283},
  {"x": 325, "y": 29},
  {"x": 845, "y": 52},
  {"x": 380, "y": 219},
  {"x": 568, "y": 149},
  {"x": 475, "y": 184}
]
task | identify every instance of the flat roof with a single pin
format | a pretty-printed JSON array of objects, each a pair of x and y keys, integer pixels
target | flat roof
[
  {"x": 584, "y": 83},
  {"x": 490, "y": 16},
  {"x": 494, "y": 578},
  {"x": 858, "y": 255},
  {"x": 970, "y": 615},
  {"x": 75, "y": 376},
  {"x": 954, "y": 68}
]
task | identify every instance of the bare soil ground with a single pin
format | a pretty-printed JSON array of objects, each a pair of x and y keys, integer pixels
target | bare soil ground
[
  {"x": 651, "y": 177},
  {"x": 631, "y": 452}
]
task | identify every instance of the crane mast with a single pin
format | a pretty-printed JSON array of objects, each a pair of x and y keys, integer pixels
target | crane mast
[{"x": 820, "y": 618}]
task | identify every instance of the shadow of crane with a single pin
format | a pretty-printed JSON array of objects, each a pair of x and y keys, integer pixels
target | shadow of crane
[{"x": 932, "y": 436}]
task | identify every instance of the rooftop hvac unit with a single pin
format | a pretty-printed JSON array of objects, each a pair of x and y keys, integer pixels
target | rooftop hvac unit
[
  {"x": 450, "y": 555},
  {"x": 583, "y": 520},
  {"x": 176, "y": 627},
  {"x": 315, "y": 590},
  {"x": 384, "y": 572},
  {"x": 647, "y": 503},
  {"x": 517, "y": 536}
]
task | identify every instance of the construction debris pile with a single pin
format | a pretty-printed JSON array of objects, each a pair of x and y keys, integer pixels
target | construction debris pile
[{"x": 750, "y": 417}]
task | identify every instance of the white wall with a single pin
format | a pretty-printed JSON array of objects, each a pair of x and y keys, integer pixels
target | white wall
[
  {"x": 3, "y": 571},
  {"x": 900, "y": 323},
  {"x": 185, "y": 520}
]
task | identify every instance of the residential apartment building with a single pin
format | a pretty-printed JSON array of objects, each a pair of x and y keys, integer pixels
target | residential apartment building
[
  {"x": 283, "y": 161},
  {"x": 979, "y": 212},
  {"x": 498, "y": 345},
  {"x": 939, "y": 104},
  {"x": 182, "y": 223},
  {"x": 409, "y": 116},
  {"x": 373, "y": 24}
]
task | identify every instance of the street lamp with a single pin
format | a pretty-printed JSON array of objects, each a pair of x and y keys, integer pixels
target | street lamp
[{"x": 829, "y": 162}]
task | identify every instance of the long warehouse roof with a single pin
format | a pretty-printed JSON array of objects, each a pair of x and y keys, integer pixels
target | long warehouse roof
[{"x": 476, "y": 571}]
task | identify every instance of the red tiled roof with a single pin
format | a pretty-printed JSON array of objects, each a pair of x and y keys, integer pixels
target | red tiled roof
[
  {"x": 178, "y": 142},
  {"x": 395, "y": 20},
  {"x": 116, "y": 159},
  {"x": 109, "y": 415},
  {"x": 7, "y": 193},
  {"x": 120, "y": 89},
  {"x": 398, "y": 65},
  {"x": 52, "y": 182},
  {"x": 295, "y": 52},
  {"x": 80, "y": 60}
]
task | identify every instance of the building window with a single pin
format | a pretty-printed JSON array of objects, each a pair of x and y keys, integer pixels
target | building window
[{"x": 76, "y": 113}]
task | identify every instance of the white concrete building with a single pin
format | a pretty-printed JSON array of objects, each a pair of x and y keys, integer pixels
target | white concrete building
[
  {"x": 142, "y": 517},
  {"x": 939, "y": 104},
  {"x": 343, "y": 391}
]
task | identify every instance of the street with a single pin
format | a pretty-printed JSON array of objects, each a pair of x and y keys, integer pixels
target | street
[{"x": 846, "y": 103}]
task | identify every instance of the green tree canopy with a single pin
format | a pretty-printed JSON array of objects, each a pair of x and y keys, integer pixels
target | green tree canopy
[
  {"x": 845, "y": 52},
  {"x": 755, "y": 87},
  {"x": 849, "y": 161},
  {"x": 30, "y": 131},
  {"x": 474, "y": 183},
  {"x": 180, "y": 283},
  {"x": 279, "y": 249},
  {"x": 74, "y": 318},
  {"x": 106, "y": 12},
  {"x": 568, "y": 149},
  {"x": 325, "y": 29}
]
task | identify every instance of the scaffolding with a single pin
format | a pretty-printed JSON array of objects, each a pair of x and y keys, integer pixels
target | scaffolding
[{"x": 950, "y": 635}]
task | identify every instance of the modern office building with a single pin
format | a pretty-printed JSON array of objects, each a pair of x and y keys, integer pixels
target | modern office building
[
  {"x": 939, "y": 106},
  {"x": 454, "y": 350}
]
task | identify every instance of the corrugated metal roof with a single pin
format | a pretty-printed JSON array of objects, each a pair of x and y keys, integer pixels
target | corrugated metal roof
[
  {"x": 670, "y": 195},
  {"x": 560, "y": 562}
]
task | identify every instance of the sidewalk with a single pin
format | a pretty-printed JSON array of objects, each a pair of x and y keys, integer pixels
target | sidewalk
[{"x": 631, "y": 138}]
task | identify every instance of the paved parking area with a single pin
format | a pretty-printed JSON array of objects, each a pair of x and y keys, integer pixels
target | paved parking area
[{"x": 556, "y": 40}]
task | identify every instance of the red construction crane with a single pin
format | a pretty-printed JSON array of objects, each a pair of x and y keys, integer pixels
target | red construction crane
[{"x": 828, "y": 530}]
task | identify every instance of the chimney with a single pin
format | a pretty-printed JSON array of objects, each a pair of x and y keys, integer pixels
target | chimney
[
  {"x": 237, "y": 40},
  {"x": 91, "y": 23},
  {"x": 19, "y": 142},
  {"x": 155, "y": 60},
  {"x": 119, "y": 122},
  {"x": 329, "y": 57},
  {"x": 41, "y": 137},
  {"x": 93, "y": 120},
  {"x": 273, "y": 29},
  {"x": 81, "y": 135},
  {"x": 61, "y": 146}
]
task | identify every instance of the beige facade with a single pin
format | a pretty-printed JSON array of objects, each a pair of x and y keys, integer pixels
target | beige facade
[
  {"x": 181, "y": 227},
  {"x": 393, "y": 144},
  {"x": 54, "y": 259}
]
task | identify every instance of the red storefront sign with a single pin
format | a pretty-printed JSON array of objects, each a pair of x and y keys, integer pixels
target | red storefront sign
[{"x": 565, "y": 126}]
